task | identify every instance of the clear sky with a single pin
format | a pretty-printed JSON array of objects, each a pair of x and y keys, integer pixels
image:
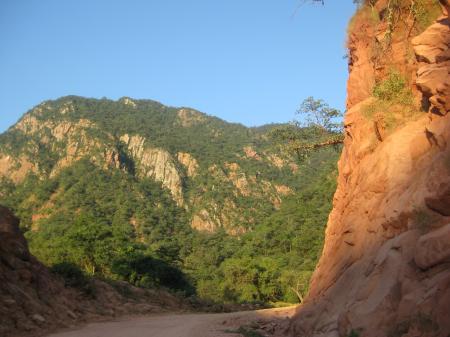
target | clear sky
[{"x": 247, "y": 61}]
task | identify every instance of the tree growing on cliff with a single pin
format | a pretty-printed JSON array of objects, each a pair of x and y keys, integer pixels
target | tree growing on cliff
[
  {"x": 318, "y": 115},
  {"x": 320, "y": 126}
]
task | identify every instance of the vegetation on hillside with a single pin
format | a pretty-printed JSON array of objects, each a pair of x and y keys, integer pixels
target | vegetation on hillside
[{"x": 111, "y": 223}]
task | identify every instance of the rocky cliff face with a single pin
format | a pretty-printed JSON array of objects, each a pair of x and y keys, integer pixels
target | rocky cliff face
[
  {"x": 156, "y": 164},
  {"x": 33, "y": 300},
  {"x": 66, "y": 142},
  {"x": 385, "y": 267}
]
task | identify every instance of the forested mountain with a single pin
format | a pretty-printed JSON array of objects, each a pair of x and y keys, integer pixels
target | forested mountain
[{"x": 163, "y": 196}]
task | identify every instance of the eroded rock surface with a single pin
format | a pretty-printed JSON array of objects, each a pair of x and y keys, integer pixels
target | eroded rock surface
[
  {"x": 189, "y": 162},
  {"x": 157, "y": 164},
  {"x": 385, "y": 268}
]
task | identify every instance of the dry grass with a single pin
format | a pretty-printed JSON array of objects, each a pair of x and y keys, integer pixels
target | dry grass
[{"x": 364, "y": 14}]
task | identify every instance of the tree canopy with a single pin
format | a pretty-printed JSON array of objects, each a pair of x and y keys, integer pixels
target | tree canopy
[{"x": 319, "y": 126}]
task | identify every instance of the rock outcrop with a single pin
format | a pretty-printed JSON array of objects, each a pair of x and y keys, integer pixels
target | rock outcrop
[
  {"x": 68, "y": 142},
  {"x": 433, "y": 53},
  {"x": 33, "y": 300},
  {"x": 188, "y": 117},
  {"x": 203, "y": 222},
  {"x": 189, "y": 162},
  {"x": 385, "y": 266},
  {"x": 157, "y": 164},
  {"x": 16, "y": 168}
]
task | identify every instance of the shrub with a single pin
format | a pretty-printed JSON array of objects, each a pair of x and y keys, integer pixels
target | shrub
[
  {"x": 393, "y": 103},
  {"x": 353, "y": 333},
  {"x": 74, "y": 277},
  {"x": 425, "y": 12},
  {"x": 393, "y": 89},
  {"x": 145, "y": 271}
]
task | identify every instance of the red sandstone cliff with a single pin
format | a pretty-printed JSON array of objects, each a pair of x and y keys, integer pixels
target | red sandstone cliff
[{"x": 385, "y": 267}]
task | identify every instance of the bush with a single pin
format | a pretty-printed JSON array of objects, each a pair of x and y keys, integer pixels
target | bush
[
  {"x": 425, "y": 12},
  {"x": 393, "y": 103},
  {"x": 147, "y": 272},
  {"x": 393, "y": 89},
  {"x": 74, "y": 277},
  {"x": 353, "y": 333}
]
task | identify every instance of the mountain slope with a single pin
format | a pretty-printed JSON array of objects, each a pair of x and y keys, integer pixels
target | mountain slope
[
  {"x": 160, "y": 196},
  {"x": 190, "y": 153}
]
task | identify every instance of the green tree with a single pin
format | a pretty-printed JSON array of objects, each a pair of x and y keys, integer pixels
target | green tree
[
  {"x": 89, "y": 244},
  {"x": 319, "y": 127},
  {"x": 318, "y": 115}
]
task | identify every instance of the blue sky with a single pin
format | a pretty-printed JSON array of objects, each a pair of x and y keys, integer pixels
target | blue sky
[{"x": 247, "y": 61}]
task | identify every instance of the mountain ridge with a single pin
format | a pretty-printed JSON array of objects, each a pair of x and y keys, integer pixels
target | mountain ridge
[{"x": 66, "y": 129}]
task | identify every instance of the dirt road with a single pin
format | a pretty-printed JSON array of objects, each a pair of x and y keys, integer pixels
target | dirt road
[{"x": 184, "y": 325}]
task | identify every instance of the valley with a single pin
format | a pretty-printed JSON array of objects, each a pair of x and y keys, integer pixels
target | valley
[
  {"x": 156, "y": 196},
  {"x": 127, "y": 217}
]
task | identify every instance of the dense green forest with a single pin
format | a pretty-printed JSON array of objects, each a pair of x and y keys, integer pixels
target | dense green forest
[{"x": 113, "y": 223}]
